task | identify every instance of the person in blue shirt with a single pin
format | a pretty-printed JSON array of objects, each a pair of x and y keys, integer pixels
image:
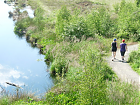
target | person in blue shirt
[
  {"x": 123, "y": 48},
  {"x": 114, "y": 49}
]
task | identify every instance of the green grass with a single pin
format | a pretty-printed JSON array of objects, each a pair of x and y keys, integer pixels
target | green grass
[
  {"x": 111, "y": 3},
  {"x": 134, "y": 60}
]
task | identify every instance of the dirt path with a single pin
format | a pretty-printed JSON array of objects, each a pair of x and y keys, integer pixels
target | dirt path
[{"x": 123, "y": 69}]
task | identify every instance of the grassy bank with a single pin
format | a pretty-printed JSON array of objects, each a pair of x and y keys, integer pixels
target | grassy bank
[
  {"x": 75, "y": 36},
  {"x": 134, "y": 60}
]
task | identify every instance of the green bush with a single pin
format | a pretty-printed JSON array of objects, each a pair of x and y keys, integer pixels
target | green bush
[
  {"x": 39, "y": 20},
  {"x": 92, "y": 85},
  {"x": 21, "y": 26},
  {"x": 49, "y": 56},
  {"x": 138, "y": 2},
  {"x": 116, "y": 7},
  {"x": 123, "y": 35},
  {"x": 134, "y": 60},
  {"x": 59, "y": 67},
  {"x": 99, "y": 22},
  {"x": 66, "y": 98},
  {"x": 77, "y": 28},
  {"x": 128, "y": 22},
  {"x": 4, "y": 101},
  {"x": 63, "y": 17}
]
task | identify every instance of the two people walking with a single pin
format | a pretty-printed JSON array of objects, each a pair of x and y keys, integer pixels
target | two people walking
[{"x": 123, "y": 48}]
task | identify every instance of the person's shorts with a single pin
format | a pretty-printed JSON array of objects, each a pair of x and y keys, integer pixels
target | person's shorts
[
  {"x": 122, "y": 53},
  {"x": 114, "y": 50}
]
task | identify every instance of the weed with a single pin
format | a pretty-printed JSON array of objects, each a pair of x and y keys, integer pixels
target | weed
[{"x": 134, "y": 60}]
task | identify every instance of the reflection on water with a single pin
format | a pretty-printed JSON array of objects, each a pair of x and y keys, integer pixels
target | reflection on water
[
  {"x": 10, "y": 74},
  {"x": 19, "y": 62}
]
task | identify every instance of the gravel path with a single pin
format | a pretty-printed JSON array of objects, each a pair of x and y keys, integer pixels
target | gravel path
[{"x": 123, "y": 69}]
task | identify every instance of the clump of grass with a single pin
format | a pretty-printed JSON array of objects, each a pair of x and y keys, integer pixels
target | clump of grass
[
  {"x": 134, "y": 60},
  {"x": 19, "y": 95},
  {"x": 122, "y": 93},
  {"x": 59, "y": 67}
]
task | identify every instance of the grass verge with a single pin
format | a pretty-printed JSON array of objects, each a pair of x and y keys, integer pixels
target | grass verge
[{"x": 134, "y": 60}]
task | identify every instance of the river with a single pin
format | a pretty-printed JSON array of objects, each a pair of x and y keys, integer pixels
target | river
[{"x": 19, "y": 62}]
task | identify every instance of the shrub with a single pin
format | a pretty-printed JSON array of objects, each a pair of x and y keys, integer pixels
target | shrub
[
  {"x": 39, "y": 20},
  {"x": 49, "y": 56},
  {"x": 123, "y": 34},
  {"x": 138, "y": 2},
  {"x": 92, "y": 85},
  {"x": 134, "y": 60},
  {"x": 100, "y": 22},
  {"x": 63, "y": 17},
  {"x": 59, "y": 66},
  {"x": 4, "y": 101},
  {"x": 128, "y": 22},
  {"x": 77, "y": 28},
  {"x": 21, "y": 25},
  {"x": 116, "y": 7}
]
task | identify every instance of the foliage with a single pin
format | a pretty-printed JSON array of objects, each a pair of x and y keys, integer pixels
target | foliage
[
  {"x": 134, "y": 59},
  {"x": 138, "y": 2},
  {"x": 73, "y": 25},
  {"x": 4, "y": 101},
  {"x": 121, "y": 93},
  {"x": 21, "y": 26},
  {"x": 48, "y": 56},
  {"x": 22, "y": 102},
  {"x": 92, "y": 84},
  {"x": 128, "y": 22},
  {"x": 33, "y": 4},
  {"x": 39, "y": 20},
  {"x": 59, "y": 66},
  {"x": 101, "y": 23},
  {"x": 22, "y": 3},
  {"x": 62, "y": 99},
  {"x": 63, "y": 17},
  {"x": 77, "y": 28}
]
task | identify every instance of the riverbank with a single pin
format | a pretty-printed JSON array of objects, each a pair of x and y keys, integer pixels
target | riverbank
[
  {"x": 134, "y": 60},
  {"x": 75, "y": 41}
]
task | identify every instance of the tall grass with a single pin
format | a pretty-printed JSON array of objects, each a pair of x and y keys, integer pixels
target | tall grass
[
  {"x": 134, "y": 60},
  {"x": 17, "y": 96},
  {"x": 111, "y": 3}
]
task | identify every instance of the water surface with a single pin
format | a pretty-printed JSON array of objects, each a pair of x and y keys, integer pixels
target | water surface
[{"x": 18, "y": 60}]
